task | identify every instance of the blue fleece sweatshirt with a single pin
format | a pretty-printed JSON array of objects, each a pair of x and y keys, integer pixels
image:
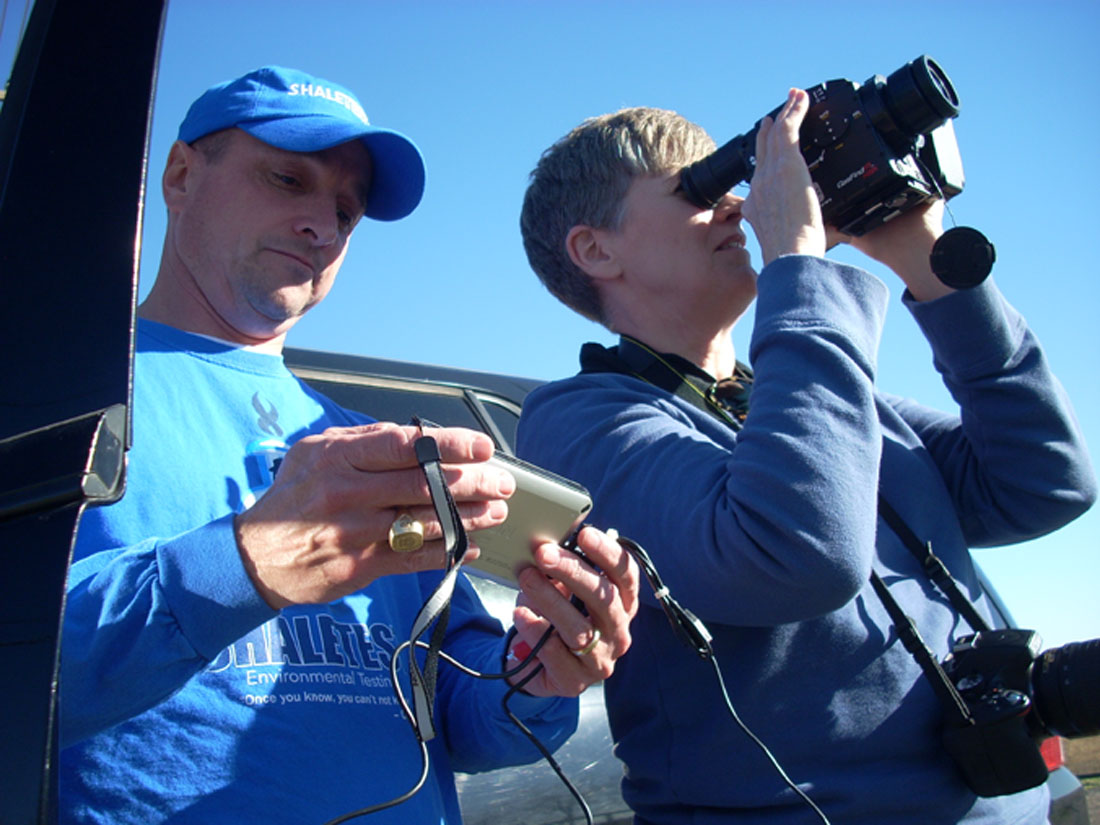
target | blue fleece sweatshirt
[
  {"x": 185, "y": 698},
  {"x": 770, "y": 535}
]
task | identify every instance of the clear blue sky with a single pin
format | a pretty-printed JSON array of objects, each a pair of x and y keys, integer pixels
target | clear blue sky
[{"x": 484, "y": 87}]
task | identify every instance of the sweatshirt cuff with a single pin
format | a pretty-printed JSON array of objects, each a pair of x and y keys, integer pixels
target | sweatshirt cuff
[
  {"x": 543, "y": 708},
  {"x": 208, "y": 589},
  {"x": 971, "y": 331},
  {"x": 804, "y": 292}
]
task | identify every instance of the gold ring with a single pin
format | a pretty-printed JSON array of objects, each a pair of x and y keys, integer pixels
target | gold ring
[
  {"x": 588, "y": 648},
  {"x": 406, "y": 534}
]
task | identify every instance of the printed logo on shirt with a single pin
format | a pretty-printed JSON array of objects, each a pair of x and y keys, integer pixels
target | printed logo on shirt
[
  {"x": 312, "y": 659},
  {"x": 268, "y": 420}
]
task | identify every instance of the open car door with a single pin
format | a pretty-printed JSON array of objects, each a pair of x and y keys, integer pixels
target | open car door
[{"x": 73, "y": 148}]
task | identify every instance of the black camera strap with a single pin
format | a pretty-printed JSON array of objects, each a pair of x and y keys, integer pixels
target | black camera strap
[
  {"x": 726, "y": 399},
  {"x": 955, "y": 706},
  {"x": 932, "y": 565},
  {"x": 910, "y": 637}
]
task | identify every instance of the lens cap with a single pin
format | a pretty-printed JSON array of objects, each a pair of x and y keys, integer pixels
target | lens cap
[{"x": 962, "y": 257}]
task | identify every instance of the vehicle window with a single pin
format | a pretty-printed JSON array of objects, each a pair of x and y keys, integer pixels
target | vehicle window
[
  {"x": 505, "y": 419},
  {"x": 387, "y": 404},
  {"x": 390, "y": 399}
]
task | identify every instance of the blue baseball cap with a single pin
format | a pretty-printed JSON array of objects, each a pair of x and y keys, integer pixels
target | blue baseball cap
[{"x": 295, "y": 111}]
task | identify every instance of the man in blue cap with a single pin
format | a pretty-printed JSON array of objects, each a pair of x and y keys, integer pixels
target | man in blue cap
[{"x": 231, "y": 621}]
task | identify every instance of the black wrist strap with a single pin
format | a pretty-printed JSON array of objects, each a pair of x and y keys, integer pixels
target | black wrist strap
[{"x": 438, "y": 606}]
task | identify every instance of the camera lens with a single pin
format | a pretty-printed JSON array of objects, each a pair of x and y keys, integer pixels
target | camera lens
[
  {"x": 1066, "y": 689},
  {"x": 941, "y": 86},
  {"x": 920, "y": 97}
]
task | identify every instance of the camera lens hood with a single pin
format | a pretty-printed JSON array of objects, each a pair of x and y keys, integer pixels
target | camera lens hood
[{"x": 920, "y": 96}]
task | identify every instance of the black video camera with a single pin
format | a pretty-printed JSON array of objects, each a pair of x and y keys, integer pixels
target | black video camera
[
  {"x": 874, "y": 151},
  {"x": 1015, "y": 697}
]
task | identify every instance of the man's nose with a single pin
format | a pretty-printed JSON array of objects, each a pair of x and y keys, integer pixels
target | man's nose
[{"x": 320, "y": 221}]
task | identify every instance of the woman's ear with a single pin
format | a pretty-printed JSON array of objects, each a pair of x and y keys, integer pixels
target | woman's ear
[{"x": 589, "y": 249}]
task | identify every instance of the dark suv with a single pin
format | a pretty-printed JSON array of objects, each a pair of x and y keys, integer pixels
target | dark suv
[{"x": 532, "y": 794}]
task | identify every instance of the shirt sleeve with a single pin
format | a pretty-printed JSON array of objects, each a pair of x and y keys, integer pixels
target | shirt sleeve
[
  {"x": 142, "y": 620},
  {"x": 1014, "y": 459}
]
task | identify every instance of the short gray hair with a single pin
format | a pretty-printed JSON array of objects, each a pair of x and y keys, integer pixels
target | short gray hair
[{"x": 582, "y": 180}]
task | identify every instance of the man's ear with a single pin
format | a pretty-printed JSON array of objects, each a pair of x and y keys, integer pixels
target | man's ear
[
  {"x": 178, "y": 172},
  {"x": 589, "y": 249}
]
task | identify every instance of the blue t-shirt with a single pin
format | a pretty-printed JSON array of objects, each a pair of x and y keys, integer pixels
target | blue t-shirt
[{"x": 185, "y": 698}]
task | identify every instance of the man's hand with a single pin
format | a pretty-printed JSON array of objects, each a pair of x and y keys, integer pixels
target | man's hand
[
  {"x": 782, "y": 206},
  {"x": 583, "y": 649},
  {"x": 321, "y": 531}
]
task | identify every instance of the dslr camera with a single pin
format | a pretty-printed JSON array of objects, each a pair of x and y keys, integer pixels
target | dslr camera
[
  {"x": 1016, "y": 696},
  {"x": 874, "y": 150}
]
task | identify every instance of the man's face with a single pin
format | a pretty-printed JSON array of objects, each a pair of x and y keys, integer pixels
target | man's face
[
  {"x": 674, "y": 251},
  {"x": 260, "y": 233}
]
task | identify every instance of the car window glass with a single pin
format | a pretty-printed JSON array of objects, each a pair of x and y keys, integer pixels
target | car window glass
[{"x": 387, "y": 404}]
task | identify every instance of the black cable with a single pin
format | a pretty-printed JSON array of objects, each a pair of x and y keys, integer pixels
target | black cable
[
  {"x": 424, "y": 760},
  {"x": 686, "y": 625},
  {"x": 764, "y": 748},
  {"x": 546, "y": 754},
  {"x": 455, "y": 539},
  {"x": 694, "y": 634},
  {"x": 410, "y": 716}
]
